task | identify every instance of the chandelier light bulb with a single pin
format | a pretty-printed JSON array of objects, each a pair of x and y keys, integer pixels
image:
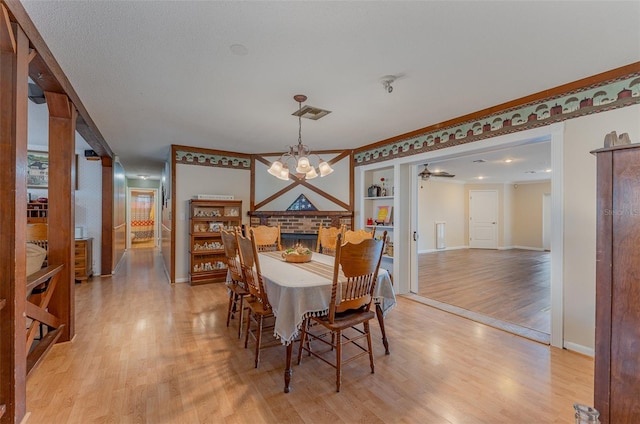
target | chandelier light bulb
[
  {"x": 275, "y": 169},
  {"x": 325, "y": 169},
  {"x": 284, "y": 174},
  {"x": 303, "y": 165},
  {"x": 311, "y": 174}
]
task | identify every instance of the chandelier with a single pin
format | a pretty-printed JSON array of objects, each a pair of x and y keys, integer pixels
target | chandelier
[{"x": 299, "y": 156}]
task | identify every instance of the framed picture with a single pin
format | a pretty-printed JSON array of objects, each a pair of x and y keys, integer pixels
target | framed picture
[
  {"x": 37, "y": 169},
  {"x": 383, "y": 214}
]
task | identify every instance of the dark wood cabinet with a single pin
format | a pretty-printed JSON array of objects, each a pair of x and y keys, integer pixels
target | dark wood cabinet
[{"x": 617, "y": 353}]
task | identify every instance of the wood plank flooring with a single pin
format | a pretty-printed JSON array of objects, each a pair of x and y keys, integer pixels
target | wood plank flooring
[
  {"x": 508, "y": 285},
  {"x": 149, "y": 352}
]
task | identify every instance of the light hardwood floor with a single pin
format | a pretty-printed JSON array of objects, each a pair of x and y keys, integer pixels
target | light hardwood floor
[
  {"x": 149, "y": 352},
  {"x": 508, "y": 285}
]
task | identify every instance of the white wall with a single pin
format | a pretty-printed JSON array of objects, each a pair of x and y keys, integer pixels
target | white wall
[
  {"x": 581, "y": 136},
  {"x": 88, "y": 213},
  {"x": 440, "y": 201},
  {"x": 192, "y": 180}
]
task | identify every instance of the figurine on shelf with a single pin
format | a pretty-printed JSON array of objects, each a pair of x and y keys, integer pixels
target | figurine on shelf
[{"x": 383, "y": 190}]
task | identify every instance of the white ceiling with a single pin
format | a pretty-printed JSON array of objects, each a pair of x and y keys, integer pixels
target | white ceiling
[
  {"x": 156, "y": 73},
  {"x": 519, "y": 164}
]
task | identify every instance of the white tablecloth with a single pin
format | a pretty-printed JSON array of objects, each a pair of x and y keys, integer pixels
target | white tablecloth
[{"x": 295, "y": 293}]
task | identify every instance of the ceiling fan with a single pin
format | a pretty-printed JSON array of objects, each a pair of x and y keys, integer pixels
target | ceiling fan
[{"x": 425, "y": 174}]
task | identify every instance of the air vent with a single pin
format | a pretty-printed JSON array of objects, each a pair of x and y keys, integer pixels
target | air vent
[
  {"x": 311, "y": 112},
  {"x": 479, "y": 161}
]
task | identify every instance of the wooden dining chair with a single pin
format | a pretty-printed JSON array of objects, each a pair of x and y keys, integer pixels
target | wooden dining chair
[
  {"x": 37, "y": 233},
  {"x": 267, "y": 238},
  {"x": 356, "y": 236},
  {"x": 327, "y": 238},
  {"x": 235, "y": 280},
  {"x": 355, "y": 273},
  {"x": 259, "y": 307}
]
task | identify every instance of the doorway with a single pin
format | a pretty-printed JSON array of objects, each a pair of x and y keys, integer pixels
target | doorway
[
  {"x": 142, "y": 228},
  {"x": 552, "y": 134}
]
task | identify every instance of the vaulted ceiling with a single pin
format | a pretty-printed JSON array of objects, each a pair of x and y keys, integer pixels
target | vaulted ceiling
[{"x": 222, "y": 74}]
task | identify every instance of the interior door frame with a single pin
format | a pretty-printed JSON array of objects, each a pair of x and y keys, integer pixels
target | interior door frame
[
  {"x": 555, "y": 135},
  {"x": 156, "y": 228}
]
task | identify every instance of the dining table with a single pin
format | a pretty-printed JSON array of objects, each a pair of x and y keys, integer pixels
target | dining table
[{"x": 297, "y": 291}]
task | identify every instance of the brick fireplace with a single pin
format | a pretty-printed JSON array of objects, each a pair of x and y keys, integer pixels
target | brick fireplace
[{"x": 301, "y": 226}]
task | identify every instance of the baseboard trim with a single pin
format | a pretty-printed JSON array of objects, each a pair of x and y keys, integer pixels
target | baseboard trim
[
  {"x": 182, "y": 280},
  {"x": 442, "y": 250},
  {"x": 538, "y": 249},
  {"x": 584, "y": 350}
]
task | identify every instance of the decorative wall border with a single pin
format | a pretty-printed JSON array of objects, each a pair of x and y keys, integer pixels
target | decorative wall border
[
  {"x": 219, "y": 159},
  {"x": 599, "y": 97}
]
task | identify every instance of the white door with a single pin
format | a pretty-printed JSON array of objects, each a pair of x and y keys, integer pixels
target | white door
[{"x": 483, "y": 219}]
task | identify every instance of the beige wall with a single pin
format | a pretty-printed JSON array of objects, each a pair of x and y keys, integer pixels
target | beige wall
[
  {"x": 582, "y": 135},
  {"x": 441, "y": 201},
  {"x": 527, "y": 214},
  {"x": 192, "y": 180}
]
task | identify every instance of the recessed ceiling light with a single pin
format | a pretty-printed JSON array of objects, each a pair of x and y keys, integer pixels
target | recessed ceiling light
[
  {"x": 508, "y": 160},
  {"x": 547, "y": 170},
  {"x": 481, "y": 177},
  {"x": 239, "y": 50}
]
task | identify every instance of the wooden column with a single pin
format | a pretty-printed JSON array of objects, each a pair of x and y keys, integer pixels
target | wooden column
[
  {"x": 106, "y": 255},
  {"x": 61, "y": 220},
  {"x": 14, "y": 52}
]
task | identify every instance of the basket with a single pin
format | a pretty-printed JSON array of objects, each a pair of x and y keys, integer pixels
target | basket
[{"x": 297, "y": 259}]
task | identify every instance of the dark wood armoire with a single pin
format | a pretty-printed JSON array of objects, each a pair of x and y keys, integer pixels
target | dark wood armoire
[{"x": 617, "y": 352}]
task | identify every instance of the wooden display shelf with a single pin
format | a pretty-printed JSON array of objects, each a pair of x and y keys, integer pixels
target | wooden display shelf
[
  {"x": 206, "y": 219},
  {"x": 207, "y": 252},
  {"x": 204, "y": 277}
]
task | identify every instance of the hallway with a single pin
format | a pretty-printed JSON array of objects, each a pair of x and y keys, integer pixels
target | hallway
[{"x": 146, "y": 351}]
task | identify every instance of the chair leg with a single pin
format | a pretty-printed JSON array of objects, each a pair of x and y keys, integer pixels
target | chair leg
[
  {"x": 259, "y": 339},
  {"x": 367, "y": 330},
  {"x": 248, "y": 329},
  {"x": 231, "y": 302},
  {"x": 338, "y": 335},
  {"x": 303, "y": 336},
  {"x": 241, "y": 317}
]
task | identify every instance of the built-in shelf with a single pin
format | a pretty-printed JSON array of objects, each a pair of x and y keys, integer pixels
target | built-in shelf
[
  {"x": 379, "y": 198},
  {"x": 384, "y": 227}
]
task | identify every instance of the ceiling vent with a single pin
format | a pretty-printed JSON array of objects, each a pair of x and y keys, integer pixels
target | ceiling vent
[
  {"x": 311, "y": 112},
  {"x": 479, "y": 161}
]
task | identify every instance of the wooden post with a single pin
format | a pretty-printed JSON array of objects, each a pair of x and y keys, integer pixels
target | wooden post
[
  {"x": 106, "y": 255},
  {"x": 62, "y": 131},
  {"x": 14, "y": 51}
]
